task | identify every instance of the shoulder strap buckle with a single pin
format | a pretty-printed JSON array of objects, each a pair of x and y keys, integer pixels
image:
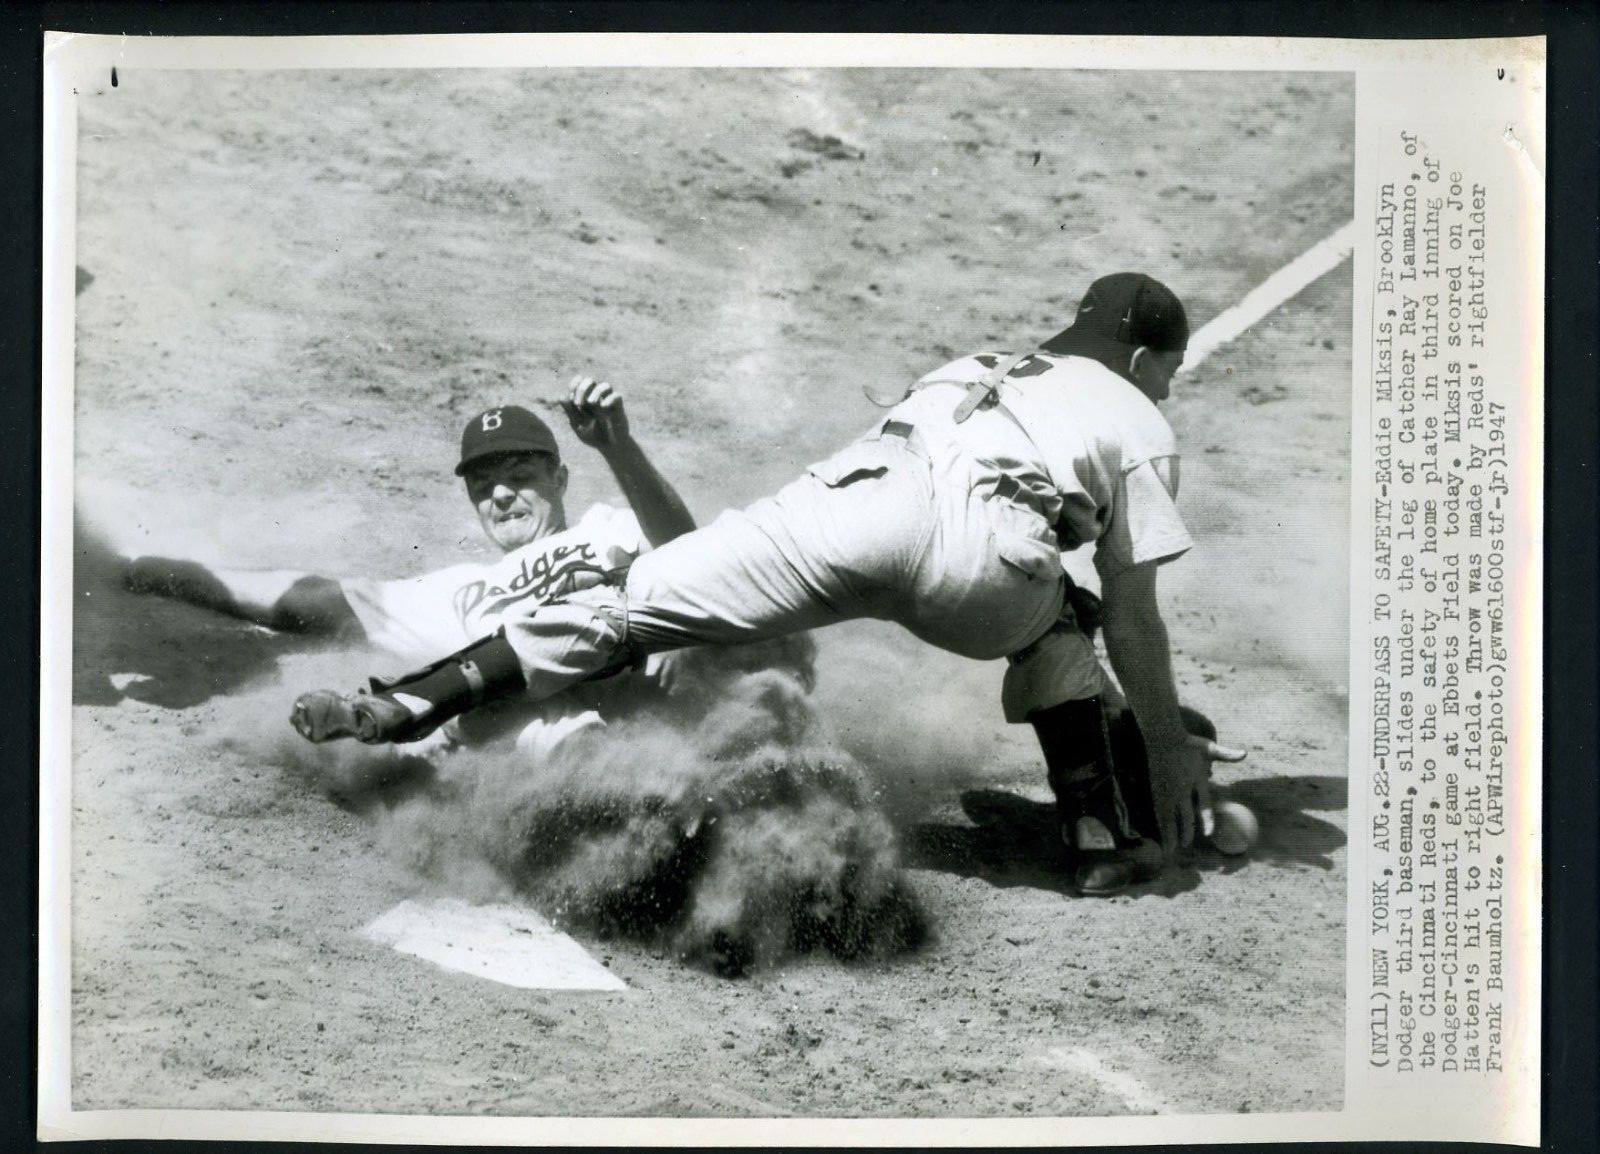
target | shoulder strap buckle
[{"x": 988, "y": 385}]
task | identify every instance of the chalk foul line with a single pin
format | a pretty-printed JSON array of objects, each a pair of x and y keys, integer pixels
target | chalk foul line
[
  {"x": 1321, "y": 258},
  {"x": 1132, "y": 1093}
]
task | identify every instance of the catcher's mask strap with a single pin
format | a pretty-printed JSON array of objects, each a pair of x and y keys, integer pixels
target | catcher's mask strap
[
  {"x": 987, "y": 385},
  {"x": 987, "y": 389}
]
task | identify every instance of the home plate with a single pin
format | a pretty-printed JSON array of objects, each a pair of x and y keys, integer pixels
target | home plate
[{"x": 512, "y": 945}]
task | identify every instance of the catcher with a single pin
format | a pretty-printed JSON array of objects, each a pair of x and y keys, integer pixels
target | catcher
[{"x": 948, "y": 517}]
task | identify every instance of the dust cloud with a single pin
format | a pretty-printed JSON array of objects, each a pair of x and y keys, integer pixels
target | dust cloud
[
  {"x": 714, "y": 820},
  {"x": 717, "y": 814}
]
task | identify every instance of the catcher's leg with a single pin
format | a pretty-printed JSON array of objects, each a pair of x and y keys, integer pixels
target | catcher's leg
[
  {"x": 1094, "y": 821},
  {"x": 1056, "y": 685}
]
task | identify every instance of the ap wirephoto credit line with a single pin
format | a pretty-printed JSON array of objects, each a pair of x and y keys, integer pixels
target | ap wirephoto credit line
[{"x": 1450, "y": 427}]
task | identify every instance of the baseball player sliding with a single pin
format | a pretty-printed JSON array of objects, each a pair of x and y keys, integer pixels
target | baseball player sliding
[
  {"x": 948, "y": 517},
  {"x": 511, "y": 465}
]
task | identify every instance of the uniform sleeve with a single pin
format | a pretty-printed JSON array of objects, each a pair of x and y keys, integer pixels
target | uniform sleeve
[{"x": 1144, "y": 525}]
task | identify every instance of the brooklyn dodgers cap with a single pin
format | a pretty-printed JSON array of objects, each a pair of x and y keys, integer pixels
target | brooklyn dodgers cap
[
  {"x": 1120, "y": 313},
  {"x": 506, "y": 429}
]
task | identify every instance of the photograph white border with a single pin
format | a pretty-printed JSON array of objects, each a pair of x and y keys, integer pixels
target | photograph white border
[{"x": 1511, "y": 1116}]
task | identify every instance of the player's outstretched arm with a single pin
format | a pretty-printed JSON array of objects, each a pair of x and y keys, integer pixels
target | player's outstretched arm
[
  {"x": 594, "y": 409},
  {"x": 284, "y": 599},
  {"x": 1136, "y": 643}
]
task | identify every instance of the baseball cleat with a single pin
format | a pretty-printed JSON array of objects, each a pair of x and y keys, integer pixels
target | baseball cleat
[
  {"x": 1103, "y": 878},
  {"x": 1103, "y": 864},
  {"x": 1099, "y": 868},
  {"x": 327, "y": 715}
]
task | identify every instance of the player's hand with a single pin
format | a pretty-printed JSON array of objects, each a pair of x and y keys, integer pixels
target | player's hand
[
  {"x": 594, "y": 409},
  {"x": 1181, "y": 784},
  {"x": 1204, "y": 813}
]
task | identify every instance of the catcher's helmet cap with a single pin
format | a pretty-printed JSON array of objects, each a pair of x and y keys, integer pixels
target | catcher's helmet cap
[
  {"x": 506, "y": 429},
  {"x": 1122, "y": 312}
]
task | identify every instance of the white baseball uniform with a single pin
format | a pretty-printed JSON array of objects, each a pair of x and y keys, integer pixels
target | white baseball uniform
[
  {"x": 1103, "y": 469},
  {"x": 953, "y": 529},
  {"x": 421, "y": 619}
]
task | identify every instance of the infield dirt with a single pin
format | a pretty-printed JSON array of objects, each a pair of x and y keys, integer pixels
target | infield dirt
[{"x": 294, "y": 287}]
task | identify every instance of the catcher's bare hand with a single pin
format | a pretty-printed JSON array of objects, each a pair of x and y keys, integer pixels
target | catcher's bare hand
[
  {"x": 594, "y": 410},
  {"x": 1203, "y": 807},
  {"x": 1181, "y": 783}
]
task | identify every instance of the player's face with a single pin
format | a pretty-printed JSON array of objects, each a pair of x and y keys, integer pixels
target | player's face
[
  {"x": 1153, "y": 372},
  {"x": 518, "y": 497}
]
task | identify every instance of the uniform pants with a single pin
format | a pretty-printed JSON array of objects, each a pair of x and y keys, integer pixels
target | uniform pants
[{"x": 879, "y": 530}]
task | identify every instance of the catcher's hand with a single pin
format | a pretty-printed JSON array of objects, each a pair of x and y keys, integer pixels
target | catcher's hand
[
  {"x": 1203, "y": 807},
  {"x": 594, "y": 410},
  {"x": 1180, "y": 783}
]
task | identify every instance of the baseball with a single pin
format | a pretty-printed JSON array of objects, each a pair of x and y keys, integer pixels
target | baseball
[{"x": 1236, "y": 828}]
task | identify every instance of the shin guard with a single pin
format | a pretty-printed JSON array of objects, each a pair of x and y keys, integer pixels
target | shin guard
[
  {"x": 1076, "y": 743},
  {"x": 482, "y": 672},
  {"x": 1106, "y": 852}
]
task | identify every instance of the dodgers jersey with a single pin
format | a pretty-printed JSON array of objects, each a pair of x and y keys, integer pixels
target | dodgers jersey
[
  {"x": 421, "y": 619},
  {"x": 1098, "y": 460}
]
